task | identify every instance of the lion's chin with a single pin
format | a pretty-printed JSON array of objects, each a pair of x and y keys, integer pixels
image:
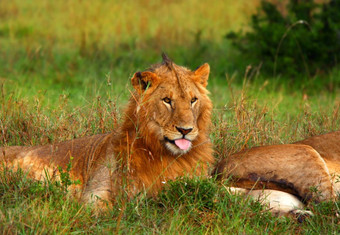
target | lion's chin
[{"x": 177, "y": 147}]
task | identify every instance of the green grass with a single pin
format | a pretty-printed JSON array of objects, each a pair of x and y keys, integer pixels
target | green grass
[
  {"x": 65, "y": 69},
  {"x": 185, "y": 206}
]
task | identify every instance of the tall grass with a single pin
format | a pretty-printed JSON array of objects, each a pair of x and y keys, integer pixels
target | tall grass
[{"x": 99, "y": 23}]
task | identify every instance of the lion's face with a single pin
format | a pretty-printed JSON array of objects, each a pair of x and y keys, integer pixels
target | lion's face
[
  {"x": 176, "y": 110},
  {"x": 173, "y": 103}
]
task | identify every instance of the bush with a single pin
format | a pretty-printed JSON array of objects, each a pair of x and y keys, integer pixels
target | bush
[{"x": 305, "y": 40}]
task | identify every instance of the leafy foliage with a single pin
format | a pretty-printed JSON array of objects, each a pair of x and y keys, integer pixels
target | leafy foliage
[{"x": 305, "y": 40}]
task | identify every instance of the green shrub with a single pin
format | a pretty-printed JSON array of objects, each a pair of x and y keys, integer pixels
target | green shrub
[{"x": 305, "y": 40}]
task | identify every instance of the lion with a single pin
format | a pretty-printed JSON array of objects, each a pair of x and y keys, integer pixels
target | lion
[
  {"x": 164, "y": 135},
  {"x": 286, "y": 176}
]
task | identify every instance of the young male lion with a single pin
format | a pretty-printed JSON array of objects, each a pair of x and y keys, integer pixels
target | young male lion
[{"x": 164, "y": 135}]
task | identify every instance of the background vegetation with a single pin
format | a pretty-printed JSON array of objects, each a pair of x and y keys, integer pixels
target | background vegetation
[
  {"x": 64, "y": 73},
  {"x": 303, "y": 40}
]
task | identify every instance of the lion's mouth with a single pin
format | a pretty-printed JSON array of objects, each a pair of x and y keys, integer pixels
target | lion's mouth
[{"x": 182, "y": 144}]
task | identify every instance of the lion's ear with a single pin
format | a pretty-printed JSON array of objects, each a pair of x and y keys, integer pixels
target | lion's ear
[
  {"x": 202, "y": 74},
  {"x": 142, "y": 81}
]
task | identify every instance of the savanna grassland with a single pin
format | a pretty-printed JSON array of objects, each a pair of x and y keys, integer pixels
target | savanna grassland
[{"x": 65, "y": 68}]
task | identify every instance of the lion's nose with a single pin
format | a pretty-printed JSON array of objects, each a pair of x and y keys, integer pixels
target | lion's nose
[{"x": 184, "y": 131}]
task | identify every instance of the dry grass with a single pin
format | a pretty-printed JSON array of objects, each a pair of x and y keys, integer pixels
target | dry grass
[
  {"x": 242, "y": 123},
  {"x": 94, "y": 24},
  {"x": 22, "y": 123}
]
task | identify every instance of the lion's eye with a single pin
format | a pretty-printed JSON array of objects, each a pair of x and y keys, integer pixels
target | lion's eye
[
  {"x": 193, "y": 100},
  {"x": 167, "y": 100}
]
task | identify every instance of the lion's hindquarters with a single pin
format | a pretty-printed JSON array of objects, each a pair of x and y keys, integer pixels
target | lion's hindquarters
[
  {"x": 8, "y": 154},
  {"x": 40, "y": 162},
  {"x": 17, "y": 157},
  {"x": 77, "y": 159}
]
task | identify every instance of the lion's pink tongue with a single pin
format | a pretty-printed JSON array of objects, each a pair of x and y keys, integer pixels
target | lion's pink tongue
[{"x": 183, "y": 144}]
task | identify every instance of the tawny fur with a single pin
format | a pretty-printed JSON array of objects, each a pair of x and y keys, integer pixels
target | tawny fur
[
  {"x": 308, "y": 169},
  {"x": 328, "y": 146},
  {"x": 141, "y": 154},
  {"x": 277, "y": 202}
]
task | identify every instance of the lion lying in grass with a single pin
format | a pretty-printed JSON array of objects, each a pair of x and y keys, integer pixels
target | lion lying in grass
[{"x": 165, "y": 134}]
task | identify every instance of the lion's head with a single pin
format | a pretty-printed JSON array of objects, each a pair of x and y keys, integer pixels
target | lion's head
[{"x": 172, "y": 106}]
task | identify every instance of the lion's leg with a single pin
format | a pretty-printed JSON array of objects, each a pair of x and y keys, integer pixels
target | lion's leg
[
  {"x": 292, "y": 168},
  {"x": 277, "y": 202},
  {"x": 100, "y": 188}
]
